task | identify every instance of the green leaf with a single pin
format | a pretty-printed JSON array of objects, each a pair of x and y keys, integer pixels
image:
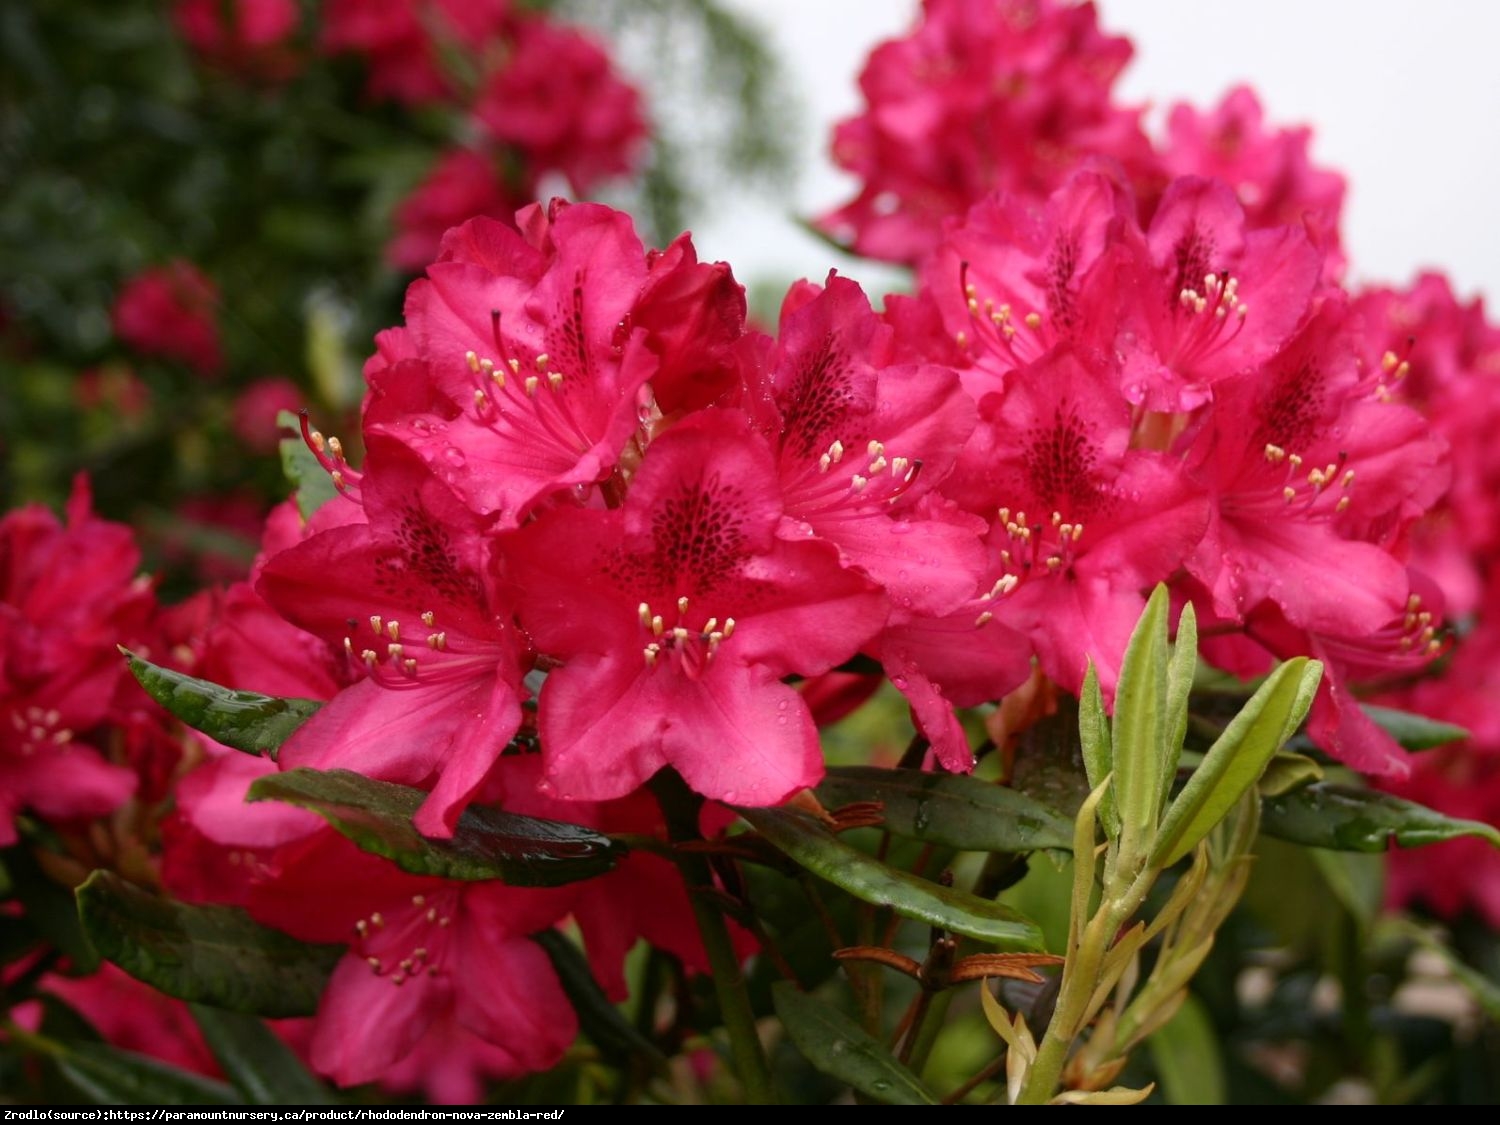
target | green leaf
[
  {"x": 953, "y": 810},
  {"x": 487, "y": 843},
  {"x": 618, "y": 1040},
  {"x": 813, "y": 846},
  {"x": 1098, "y": 754},
  {"x": 313, "y": 484},
  {"x": 210, "y": 954},
  {"x": 1139, "y": 734},
  {"x": 1288, "y": 770},
  {"x": 244, "y": 720},
  {"x": 1186, "y": 1053},
  {"x": 1237, "y": 758},
  {"x": 261, "y": 1067},
  {"x": 838, "y": 1046},
  {"x": 106, "y": 1075},
  {"x": 1348, "y": 819},
  {"x": 1412, "y": 731},
  {"x": 1180, "y": 672}
]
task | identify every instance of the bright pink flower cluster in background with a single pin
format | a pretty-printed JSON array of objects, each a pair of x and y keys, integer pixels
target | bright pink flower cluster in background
[{"x": 542, "y": 98}]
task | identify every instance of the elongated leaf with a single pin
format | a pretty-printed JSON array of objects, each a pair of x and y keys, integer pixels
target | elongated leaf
[
  {"x": 814, "y": 847},
  {"x": 1180, "y": 671},
  {"x": 215, "y": 955},
  {"x": 261, "y": 1067},
  {"x": 1098, "y": 753},
  {"x": 1287, "y": 771},
  {"x": 616, "y": 1037},
  {"x": 313, "y": 484},
  {"x": 1414, "y": 732},
  {"x": 1236, "y": 760},
  {"x": 244, "y": 720},
  {"x": 1186, "y": 1053},
  {"x": 1140, "y": 731},
  {"x": 1342, "y": 817},
  {"x": 106, "y": 1075},
  {"x": 838, "y": 1046},
  {"x": 487, "y": 844},
  {"x": 953, "y": 810}
]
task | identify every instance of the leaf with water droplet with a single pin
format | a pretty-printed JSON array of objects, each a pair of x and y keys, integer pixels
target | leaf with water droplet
[
  {"x": 838, "y": 1046},
  {"x": 1327, "y": 815},
  {"x": 488, "y": 843},
  {"x": 215, "y": 955},
  {"x": 810, "y": 844},
  {"x": 952, "y": 810},
  {"x": 243, "y": 720}
]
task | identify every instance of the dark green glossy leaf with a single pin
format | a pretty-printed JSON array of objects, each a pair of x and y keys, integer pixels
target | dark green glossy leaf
[
  {"x": 1414, "y": 732},
  {"x": 260, "y": 1066},
  {"x": 813, "y": 846},
  {"x": 838, "y": 1046},
  {"x": 313, "y": 484},
  {"x": 616, "y": 1037},
  {"x": 215, "y": 955},
  {"x": 1237, "y": 758},
  {"x": 487, "y": 844},
  {"x": 954, "y": 810},
  {"x": 106, "y": 1075},
  {"x": 244, "y": 720},
  {"x": 1345, "y": 818}
]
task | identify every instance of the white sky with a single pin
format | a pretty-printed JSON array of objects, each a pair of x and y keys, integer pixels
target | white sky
[{"x": 1404, "y": 99}]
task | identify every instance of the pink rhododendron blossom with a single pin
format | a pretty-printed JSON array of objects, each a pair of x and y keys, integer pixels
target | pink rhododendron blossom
[
  {"x": 256, "y": 410},
  {"x": 980, "y": 96},
  {"x": 404, "y": 41},
  {"x": 69, "y": 593},
  {"x": 170, "y": 311},
  {"x": 415, "y": 605},
  {"x": 1302, "y": 464},
  {"x": 461, "y": 185},
  {"x": 1211, "y": 298},
  {"x": 558, "y": 101},
  {"x": 1274, "y": 179},
  {"x": 675, "y": 618},
  {"x": 518, "y": 372},
  {"x": 1086, "y": 524}
]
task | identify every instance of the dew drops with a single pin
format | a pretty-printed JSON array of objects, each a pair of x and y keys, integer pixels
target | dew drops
[{"x": 454, "y": 455}]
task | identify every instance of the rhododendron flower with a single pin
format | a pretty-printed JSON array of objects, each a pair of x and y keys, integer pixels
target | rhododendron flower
[
  {"x": 1272, "y": 176},
  {"x": 461, "y": 185},
  {"x": 675, "y": 618},
  {"x": 257, "y": 408},
  {"x": 404, "y": 41},
  {"x": 1211, "y": 298},
  {"x": 982, "y": 95},
  {"x": 68, "y": 595},
  {"x": 169, "y": 311},
  {"x": 409, "y": 596},
  {"x": 561, "y": 104},
  {"x": 1302, "y": 464},
  {"x": 1085, "y": 524},
  {"x": 518, "y": 371},
  {"x": 1462, "y": 781},
  {"x": 423, "y": 952}
]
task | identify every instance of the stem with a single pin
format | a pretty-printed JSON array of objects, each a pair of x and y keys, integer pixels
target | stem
[{"x": 679, "y": 805}]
